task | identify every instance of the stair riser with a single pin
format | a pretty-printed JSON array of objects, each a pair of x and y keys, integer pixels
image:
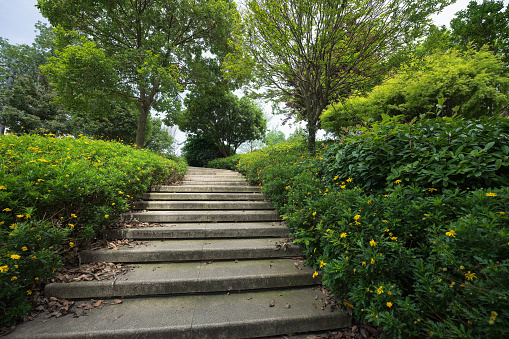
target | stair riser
[
  {"x": 206, "y": 189},
  {"x": 109, "y": 289},
  {"x": 215, "y": 183},
  {"x": 141, "y": 234},
  {"x": 213, "y": 178},
  {"x": 146, "y": 217},
  {"x": 186, "y": 255},
  {"x": 203, "y": 196},
  {"x": 203, "y": 205}
]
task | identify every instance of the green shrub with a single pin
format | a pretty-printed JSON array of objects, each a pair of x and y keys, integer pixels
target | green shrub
[
  {"x": 412, "y": 254},
  {"x": 229, "y": 163},
  {"x": 56, "y": 193},
  {"x": 412, "y": 261},
  {"x": 430, "y": 153},
  {"x": 198, "y": 151}
]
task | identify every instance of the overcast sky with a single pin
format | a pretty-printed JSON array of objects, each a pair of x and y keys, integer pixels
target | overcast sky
[{"x": 18, "y": 17}]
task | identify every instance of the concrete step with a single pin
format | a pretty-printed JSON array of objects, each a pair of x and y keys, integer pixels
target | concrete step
[
  {"x": 194, "y": 277},
  {"x": 214, "y": 177},
  {"x": 233, "y": 315},
  {"x": 202, "y": 205},
  {"x": 194, "y": 250},
  {"x": 205, "y": 216},
  {"x": 217, "y": 182},
  {"x": 202, "y": 231},
  {"x": 205, "y": 189},
  {"x": 204, "y": 196}
]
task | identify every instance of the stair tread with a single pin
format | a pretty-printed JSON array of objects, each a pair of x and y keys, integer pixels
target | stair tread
[
  {"x": 236, "y": 315},
  {"x": 193, "y": 277},
  {"x": 198, "y": 249}
]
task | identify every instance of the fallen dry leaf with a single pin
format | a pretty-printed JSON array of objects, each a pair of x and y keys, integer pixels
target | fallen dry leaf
[
  {"x": 288, "y": 306},
  {"x": 272, "y": 303}
]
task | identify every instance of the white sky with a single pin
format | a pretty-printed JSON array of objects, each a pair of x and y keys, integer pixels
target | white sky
[{"x": 18, "y": 17}]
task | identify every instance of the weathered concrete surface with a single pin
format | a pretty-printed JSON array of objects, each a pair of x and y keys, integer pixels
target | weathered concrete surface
[
  {"x": 204, "y": 189},
  {"x": 205, "y": 216},
  {"x": 193, "y": 250},
  {"x": 203, "y": 205},
  {"x": 237, "y": 315},
  {"x": 202, "y": 231},
  {"x": 195, "y": 277},
  {"x": 204, "y": 196}
]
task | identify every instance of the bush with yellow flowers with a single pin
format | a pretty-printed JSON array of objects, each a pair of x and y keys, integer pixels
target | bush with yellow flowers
[
  {"x": 408, "y": 223},
  {"x": 56, "y": 193}
]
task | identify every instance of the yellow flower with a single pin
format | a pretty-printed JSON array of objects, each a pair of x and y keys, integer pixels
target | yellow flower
[
  {"x": 71, "y": 244},
  {"x": 347, "y": 304},
  {"x": 14, "y": 278},
  {"x": 15, "y": 256},
  {"x": 36, "y": 279},
  {"x": 343, "y": 235},
  {"x": 336, "y": 177},
  {"x": 315, "y": 274},
  {"x": 71, "y": 225},
  {"x": 385, "y": 195},
  {"x": 363, "y": 263},
  {"x": 357, "y": 217},
  {"x": 7, "y": 209},
  {"x": 29, "y": 292},
  {"x": 342, "y": 186},
  {"x": 470, "y": 276},
  {"x": 386, "y": 230},
  {"x": 106, "y": 216},
  {"x": 314, "y": 213},
  {"x": 24, "y": 248},
  {"x": 389, "y": 293},
  {"x": 389, "y": 304},
  {"x": 462, "y": 267},
  {"x": 349, "y": 180},
  {"x": 20, "y": 215},
  {"x": 322, "y": 264},
  {"x": 394, "y": 238},
  {"x": 380, "y": 290},
  {"x": 372, "y": 261},
  {"x": 372, "y": 243},
  {"x": 3, "y": 188},
  {"x": 451, "y": 233},
  {"x": 120, "y": 192},
  {"x": 397, "y": 181},
  {"x": 4, "y": 268},
  {"x": 73, "y": 215},
  {"x": 491, "y": 194},
  {"x": 493, "y": 316},
  {"x": 385, "y": 222},
  {"x": 501, "y": 213},
  {"x": 426, "y": 214}
]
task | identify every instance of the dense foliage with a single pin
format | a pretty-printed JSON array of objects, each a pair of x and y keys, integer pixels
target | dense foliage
[
  {"x": 413, "y": 256},
  {"x": 223, "y": 118},
  {"x": 144, "y": 51},
  {"x": 199, "y": 151},
  {"x": 473, "y": 84},
  {"x": 307, "y": 53},
  {"x": 56, "y": 193}
]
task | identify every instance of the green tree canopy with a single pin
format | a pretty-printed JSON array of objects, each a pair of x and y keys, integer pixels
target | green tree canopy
[
  {"x": 307, "y": 53},
  {"x": 139, "y": 50},
  {"x": 477, "y": 82},
  {"x": 485, "y": 23},
  {"x": 223, "y": 118}
]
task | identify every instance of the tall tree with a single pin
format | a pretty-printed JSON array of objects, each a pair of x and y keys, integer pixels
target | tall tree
[
  {"x": 309, "y": 52},
  {"x": 223, "y": 118},
  {"x": 132, "y": 50},
  {"x": 481, "y": 24}
]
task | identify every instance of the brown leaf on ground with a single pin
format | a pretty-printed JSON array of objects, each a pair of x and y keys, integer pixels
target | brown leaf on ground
[
  {"x": 272, "y": 303},
  {"x": 87, "y": 272},
  {"x": 287, "y": 306}
]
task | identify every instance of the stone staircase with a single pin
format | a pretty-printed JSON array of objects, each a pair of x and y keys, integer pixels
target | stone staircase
[{"x": 218, "y": 265}]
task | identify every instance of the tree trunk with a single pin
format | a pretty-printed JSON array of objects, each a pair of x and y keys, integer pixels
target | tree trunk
[
  {"x": 312, "y": 129},
  {"x": 142, "y": 123}
]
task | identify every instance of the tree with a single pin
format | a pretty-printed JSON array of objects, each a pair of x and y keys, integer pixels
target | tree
[
  {"x": 274, "y": 137},
  {"x": 28, "y": 99},
  {"x": 476, "y": 82},
  {"x": 223, "y": 118},
  {"x": 132, "y": 50},
  {"x": 309, "y": 52},
  {"x": 481, "y": 24},
  {"x": 198, "y": 150}
]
